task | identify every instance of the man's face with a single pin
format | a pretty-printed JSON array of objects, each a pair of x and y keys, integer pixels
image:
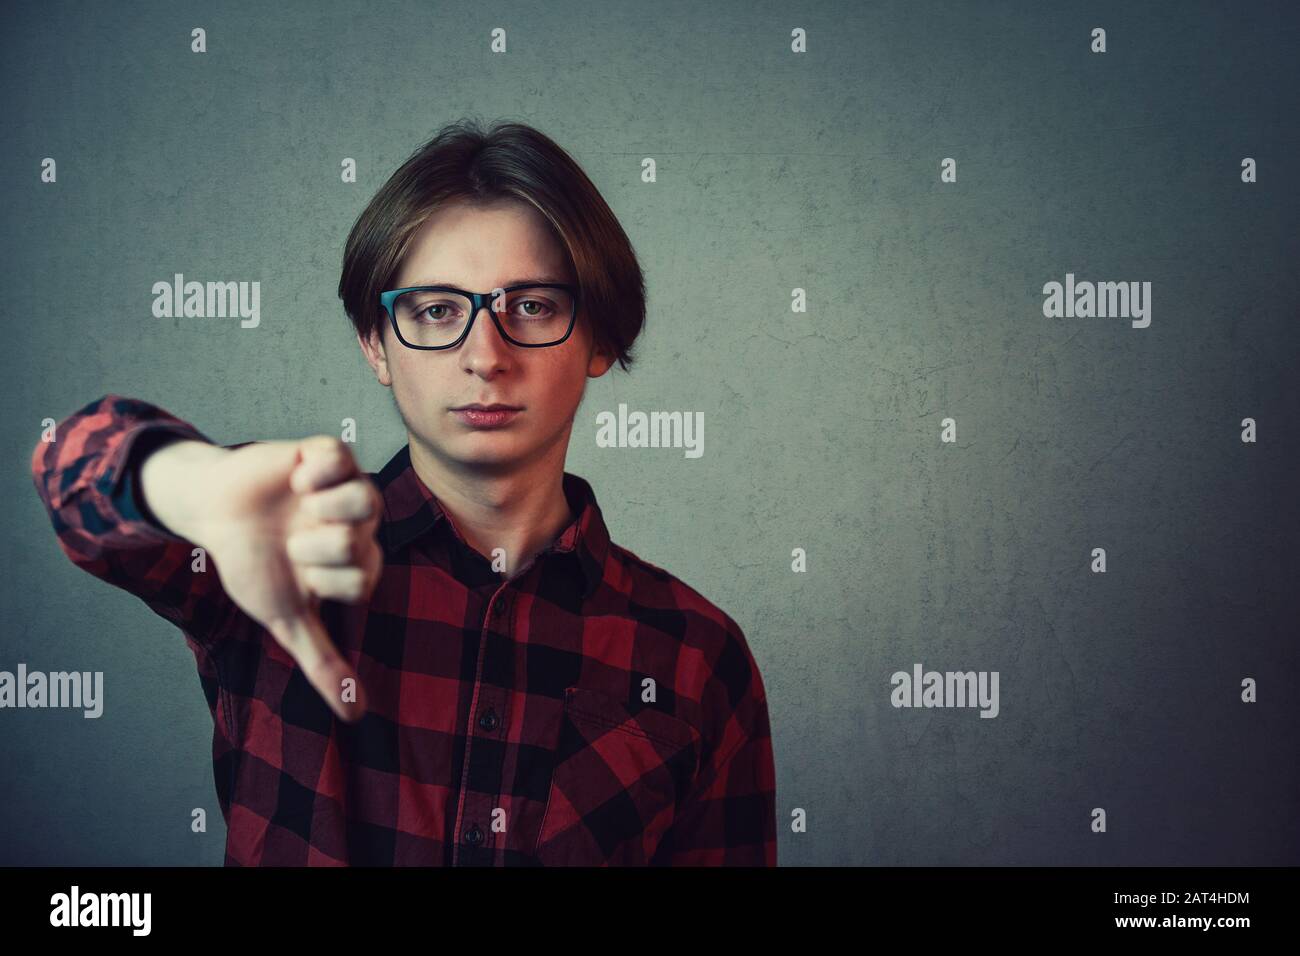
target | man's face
[{"x": 480, "y": 248}]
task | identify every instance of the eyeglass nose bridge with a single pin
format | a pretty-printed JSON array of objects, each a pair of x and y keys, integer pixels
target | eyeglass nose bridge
[{"x": 481, "y": 300}]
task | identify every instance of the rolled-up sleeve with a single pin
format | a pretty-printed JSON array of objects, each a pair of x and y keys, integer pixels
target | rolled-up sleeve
[{"x": 86, "y": 479}]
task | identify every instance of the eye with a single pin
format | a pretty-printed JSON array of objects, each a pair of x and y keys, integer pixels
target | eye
[
  {"x": 429, "y": 311},
  {"x": 535, "y": 303}
]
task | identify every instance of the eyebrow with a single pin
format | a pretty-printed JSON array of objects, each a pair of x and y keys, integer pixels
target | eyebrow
[{"x": 528, "y": 280}]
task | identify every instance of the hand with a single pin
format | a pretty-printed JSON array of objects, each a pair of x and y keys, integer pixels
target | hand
[{"x": 286, "y": 523}]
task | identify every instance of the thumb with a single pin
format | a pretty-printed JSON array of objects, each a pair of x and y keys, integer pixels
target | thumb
[{"x": 304, "y": 636}]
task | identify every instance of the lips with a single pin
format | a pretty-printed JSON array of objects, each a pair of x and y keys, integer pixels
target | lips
[{"x": 486, "y": 417}]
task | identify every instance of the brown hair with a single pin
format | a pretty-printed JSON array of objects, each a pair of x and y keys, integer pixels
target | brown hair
[{"x": 508, "y": 161}]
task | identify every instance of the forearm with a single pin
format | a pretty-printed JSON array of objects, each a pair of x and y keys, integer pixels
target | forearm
[{"x": 174, "y": 485}]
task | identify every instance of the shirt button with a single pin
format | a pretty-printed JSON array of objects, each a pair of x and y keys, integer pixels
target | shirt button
[
  {"x": 473, "y": 835},
  {"x": 488, "y": 720}
]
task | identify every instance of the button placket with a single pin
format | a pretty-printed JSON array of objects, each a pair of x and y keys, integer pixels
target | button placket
[
  {"x": 478, "y": 808},
  {"x": 489, "y": 718}
]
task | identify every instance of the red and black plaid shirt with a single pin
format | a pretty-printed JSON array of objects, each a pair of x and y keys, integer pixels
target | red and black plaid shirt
[{"x": 507, "y": 724}]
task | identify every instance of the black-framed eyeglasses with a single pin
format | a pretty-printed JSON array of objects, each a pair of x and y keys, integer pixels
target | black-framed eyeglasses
[{"x": 531, "y": 316}]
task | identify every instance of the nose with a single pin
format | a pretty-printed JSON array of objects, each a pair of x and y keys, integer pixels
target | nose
[{"x": 484, "y": 349}]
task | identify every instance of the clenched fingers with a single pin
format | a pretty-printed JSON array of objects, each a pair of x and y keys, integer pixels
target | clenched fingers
[
  {"x": 333, "y": 545},
  {"x": 356, "y": 500},
  {"x": 347, "y": 584}
]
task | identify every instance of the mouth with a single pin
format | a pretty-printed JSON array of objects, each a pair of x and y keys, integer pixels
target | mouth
[{"x": 486, "y": 416}]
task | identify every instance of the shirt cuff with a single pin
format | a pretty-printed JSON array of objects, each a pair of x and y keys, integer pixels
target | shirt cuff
[{"x": 128, "y": 495}]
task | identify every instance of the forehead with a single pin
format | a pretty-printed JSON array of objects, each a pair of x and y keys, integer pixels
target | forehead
[{"x": 481, "y": 246}]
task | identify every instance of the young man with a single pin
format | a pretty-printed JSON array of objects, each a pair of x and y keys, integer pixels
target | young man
[{"x": 447, "y": 662}]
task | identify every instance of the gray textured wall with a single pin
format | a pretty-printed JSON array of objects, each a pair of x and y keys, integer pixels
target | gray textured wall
[{"x": 775, "y": 171}]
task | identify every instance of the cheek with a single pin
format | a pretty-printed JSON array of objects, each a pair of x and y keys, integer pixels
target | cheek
[
  {"x": 566, "y": 379},
  {"x": 416, "y": 385}
]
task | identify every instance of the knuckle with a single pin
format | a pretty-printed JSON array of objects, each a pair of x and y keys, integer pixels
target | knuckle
[
  {"x": 360, "y": 502},
  {"x": 335, "y": 459},
  {"x": 298, "y": 547},
  {"x": 328, "y": 450},
  {"x": 328, "y": 443},
  {"x": 342, "y": 543},
  {"x": 346, "y": 585},
  {"x": 311, "y": 580}
]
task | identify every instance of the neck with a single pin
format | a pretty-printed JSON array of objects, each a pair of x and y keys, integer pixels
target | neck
[{"x": 521, "y": 511}]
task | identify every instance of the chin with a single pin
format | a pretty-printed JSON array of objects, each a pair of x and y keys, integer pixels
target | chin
[{"x": 483, "y": 448}]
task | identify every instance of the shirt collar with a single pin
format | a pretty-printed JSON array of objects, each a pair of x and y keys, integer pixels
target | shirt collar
[{"x": 412, "y": 510}]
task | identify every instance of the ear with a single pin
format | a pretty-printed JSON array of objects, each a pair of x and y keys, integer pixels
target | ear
[
  {"x": 372, "y": 347},
  {"x": 599, "y": 363},
  {"x": 598, "y": 360}
]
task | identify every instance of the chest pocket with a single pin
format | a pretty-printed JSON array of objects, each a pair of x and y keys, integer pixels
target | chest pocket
[{"x": 618, "y": 779}]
